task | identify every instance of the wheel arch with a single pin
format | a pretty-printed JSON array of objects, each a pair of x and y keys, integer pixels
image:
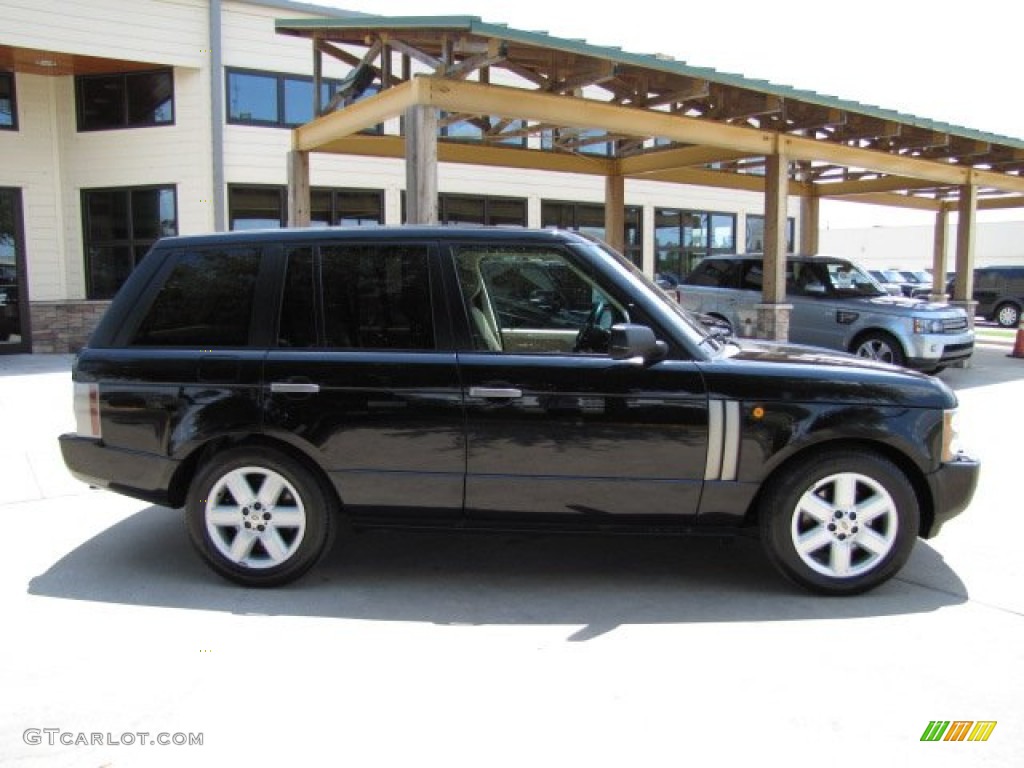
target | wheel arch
[
  {"x": 190, "y": 465},
  {"x": 876, "y": 330},
  {"x": 904, "y": 463}
]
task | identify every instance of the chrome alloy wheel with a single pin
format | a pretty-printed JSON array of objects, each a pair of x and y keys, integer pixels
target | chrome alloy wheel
[
  {"x": 844, "y": 525},
  {"x": 255, "y": 517},
  {"x": 877, "y": 348}
]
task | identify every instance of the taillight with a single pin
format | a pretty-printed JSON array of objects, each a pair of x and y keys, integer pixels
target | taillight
[{"x": 87, "y": 410}]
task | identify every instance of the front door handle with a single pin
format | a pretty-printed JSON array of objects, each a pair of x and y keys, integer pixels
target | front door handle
[
  {"x": 495, "y": 393},
  {"x": 294, "y": 387}
]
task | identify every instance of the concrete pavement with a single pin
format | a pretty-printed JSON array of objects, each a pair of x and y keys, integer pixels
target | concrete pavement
[{"x": 423, "y": 649}]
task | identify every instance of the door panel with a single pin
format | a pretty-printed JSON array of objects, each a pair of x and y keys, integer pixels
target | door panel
[
  {"x": 598, "y": 441},
  {"x": 556, "y": 430},
  {"x": 358, "y": 379}
]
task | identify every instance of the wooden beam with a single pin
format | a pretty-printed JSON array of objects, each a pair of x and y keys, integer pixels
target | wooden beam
[
  {"x": 997, "y": 203},
  {"x": 894, "y": 200},
  {"x": 939, "y": 258},
  {"x": 775, "y": 226},
  {"x": 967, "y": 207},
  {"x": 584, "y": 79},
  {"x": 683, "y": 157},
  {"x": 699, "y": 89},
  {"x": 421, "y": 165},
  {"x": 615, "y": 212},
  {"x": 883, "y": 184},
  {"x": 415, "y": 53},
  {"x": 298, "y": 189},
  {"x": 317, "y": 135},
  {"x": 809, "y": 224}
]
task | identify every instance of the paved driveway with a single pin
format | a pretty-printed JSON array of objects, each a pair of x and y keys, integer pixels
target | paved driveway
[{"x": 422, "y": 649}]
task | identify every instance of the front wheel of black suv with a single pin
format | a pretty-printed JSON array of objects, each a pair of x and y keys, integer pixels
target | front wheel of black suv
[
  {"x": 839, "y": 523},
  {"x": 258, "y": 517}
]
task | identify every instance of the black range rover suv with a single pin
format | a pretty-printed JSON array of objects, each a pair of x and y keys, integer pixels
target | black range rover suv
[{"x": 280, "y": 383}]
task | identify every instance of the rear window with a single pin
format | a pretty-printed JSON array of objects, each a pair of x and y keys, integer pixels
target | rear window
[
  {"x": 376, "y": 297},
  {"x": 714, "y": 273},
  {"x": 206, "y": 301}
]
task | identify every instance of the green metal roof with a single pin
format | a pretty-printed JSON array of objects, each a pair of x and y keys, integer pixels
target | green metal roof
[{"x": 475, "y": 26}]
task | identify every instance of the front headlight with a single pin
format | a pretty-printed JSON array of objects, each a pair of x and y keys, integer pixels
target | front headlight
[
  {"x": 951, "y": 447},
  {"x": 923, "y": 325}
]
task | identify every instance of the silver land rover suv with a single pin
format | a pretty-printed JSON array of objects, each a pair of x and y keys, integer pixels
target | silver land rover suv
[{"x": 836, "y": 305}]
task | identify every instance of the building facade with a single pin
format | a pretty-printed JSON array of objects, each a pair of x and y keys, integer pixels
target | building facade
[{"x": 122, "y": 121}]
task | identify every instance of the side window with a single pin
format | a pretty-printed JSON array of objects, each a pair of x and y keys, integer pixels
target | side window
[
  {"x": 522, "y": 299},
  {"x": 206, "y": 301},
  {"x": 714, "y": 273},
  {"x": 298, "y": 305},
  {"x": 377, "y": 297},
  {"x": 804, "y": 280},
  {"x": 753, "y": 276}
]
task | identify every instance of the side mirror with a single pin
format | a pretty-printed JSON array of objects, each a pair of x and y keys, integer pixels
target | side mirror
[{"x": 636, "y": 343}]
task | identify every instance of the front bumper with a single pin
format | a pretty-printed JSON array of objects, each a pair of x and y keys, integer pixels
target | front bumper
[
  {"x": 952, "y": 487},
  {"x": 927, "y": 351},
  {"x": 139, "y": 475}
]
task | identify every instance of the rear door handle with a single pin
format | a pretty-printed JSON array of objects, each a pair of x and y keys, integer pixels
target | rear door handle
[
  {"x": 495, "y": 393},
  {"x": 294, "y": 387}
]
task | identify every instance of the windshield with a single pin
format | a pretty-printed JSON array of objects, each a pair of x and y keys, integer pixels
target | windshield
[{"x": 845, "y": 279}]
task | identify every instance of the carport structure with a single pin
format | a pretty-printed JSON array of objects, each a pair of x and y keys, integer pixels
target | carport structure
[{"x": 567, "y": 106}]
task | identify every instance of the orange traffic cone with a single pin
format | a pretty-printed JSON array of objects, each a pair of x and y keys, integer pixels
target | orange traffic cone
[{"x": 1018, "y": 347}]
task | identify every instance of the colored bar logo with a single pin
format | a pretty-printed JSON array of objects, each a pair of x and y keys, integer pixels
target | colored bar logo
[{"x": 958, "y": 730}]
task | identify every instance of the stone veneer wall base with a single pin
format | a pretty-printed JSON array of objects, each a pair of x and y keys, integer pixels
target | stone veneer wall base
[{"x": 64, "y": 326}]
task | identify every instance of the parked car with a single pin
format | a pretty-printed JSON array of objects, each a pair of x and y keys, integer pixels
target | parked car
[
  {"x": 835, "y": 305},
  {"x": 277, "y": 384},
  {"x": 999, "y": 292},
  {"x": 883, "y": 279}
]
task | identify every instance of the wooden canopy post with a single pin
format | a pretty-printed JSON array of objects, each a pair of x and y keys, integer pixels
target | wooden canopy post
[
  {"x": 939, "y": 256},
  {"x": 421, "y": 164},
  {"x": 809, "y": 224},
  {"x": 615, "y": 211},
  {"x": 963, "y": 292},
  {"x": 298, "y": 189},
  {"x": 773, "y": 312}
]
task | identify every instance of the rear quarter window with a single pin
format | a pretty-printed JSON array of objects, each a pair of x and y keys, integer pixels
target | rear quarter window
[{"x": 206, "y": 301}]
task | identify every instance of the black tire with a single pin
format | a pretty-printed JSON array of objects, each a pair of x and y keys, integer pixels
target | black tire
[
  {"x": 881, "y": 346},
  {"x": 286, "y": 525},
  {"x": 1007, "y": 315},
  {"x": 812, "y": 544}
]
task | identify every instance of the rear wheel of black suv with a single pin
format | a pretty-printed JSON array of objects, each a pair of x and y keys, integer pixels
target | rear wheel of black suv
[
  {"x": 839, "y": 523},
  {"x": 259, "y": 517}
]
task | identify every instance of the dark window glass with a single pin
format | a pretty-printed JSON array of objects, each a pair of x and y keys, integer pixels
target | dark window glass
[
  {"x": 376, "y": 297},
  {"x": 8, "y": 105},
  {"x": 481, "y": 209},
  {"x": 256, "y": 207},
  {"x": 266, "y": 207},
  {"x": 532, "y": 300},
  {"x": 252, "y": 98},
  {"x": 755, "y": 234},
  {"x": 589, "y": 218},
  {"x": 718, "y": 274},
  {"x": 280, "y": 100},
  {"x": 298, "y": 308},
  {"x": 206, "y": 301},
  {"x": 125, "y": 100},
  {"x": 120, "y": 226},
  {"x": 683, "y": 238},
  {"x": 298, "y": 101}
]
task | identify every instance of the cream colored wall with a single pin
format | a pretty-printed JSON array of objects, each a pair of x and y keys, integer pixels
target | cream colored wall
[{"x": 168, "y": 32}]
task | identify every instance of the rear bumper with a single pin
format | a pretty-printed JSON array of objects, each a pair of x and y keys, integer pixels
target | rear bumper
[
  {"x": 952, "y": 487},
  {"x": 139, "y": 475}
]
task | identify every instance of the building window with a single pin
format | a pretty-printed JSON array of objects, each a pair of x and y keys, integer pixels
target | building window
[
  {"x": 266, "y": 207},
  {"x": 755, "y": 234},
  {"x": 279, "y": 100},
  {"x": 477, "y": 209},
  {"x": 120, "y": 226},
  {"x": 8, "y": 105},
  {"x": 683, "y": 238},
  {"x": 589, "y": 219},
  {"x": 125, "y": 100}
]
